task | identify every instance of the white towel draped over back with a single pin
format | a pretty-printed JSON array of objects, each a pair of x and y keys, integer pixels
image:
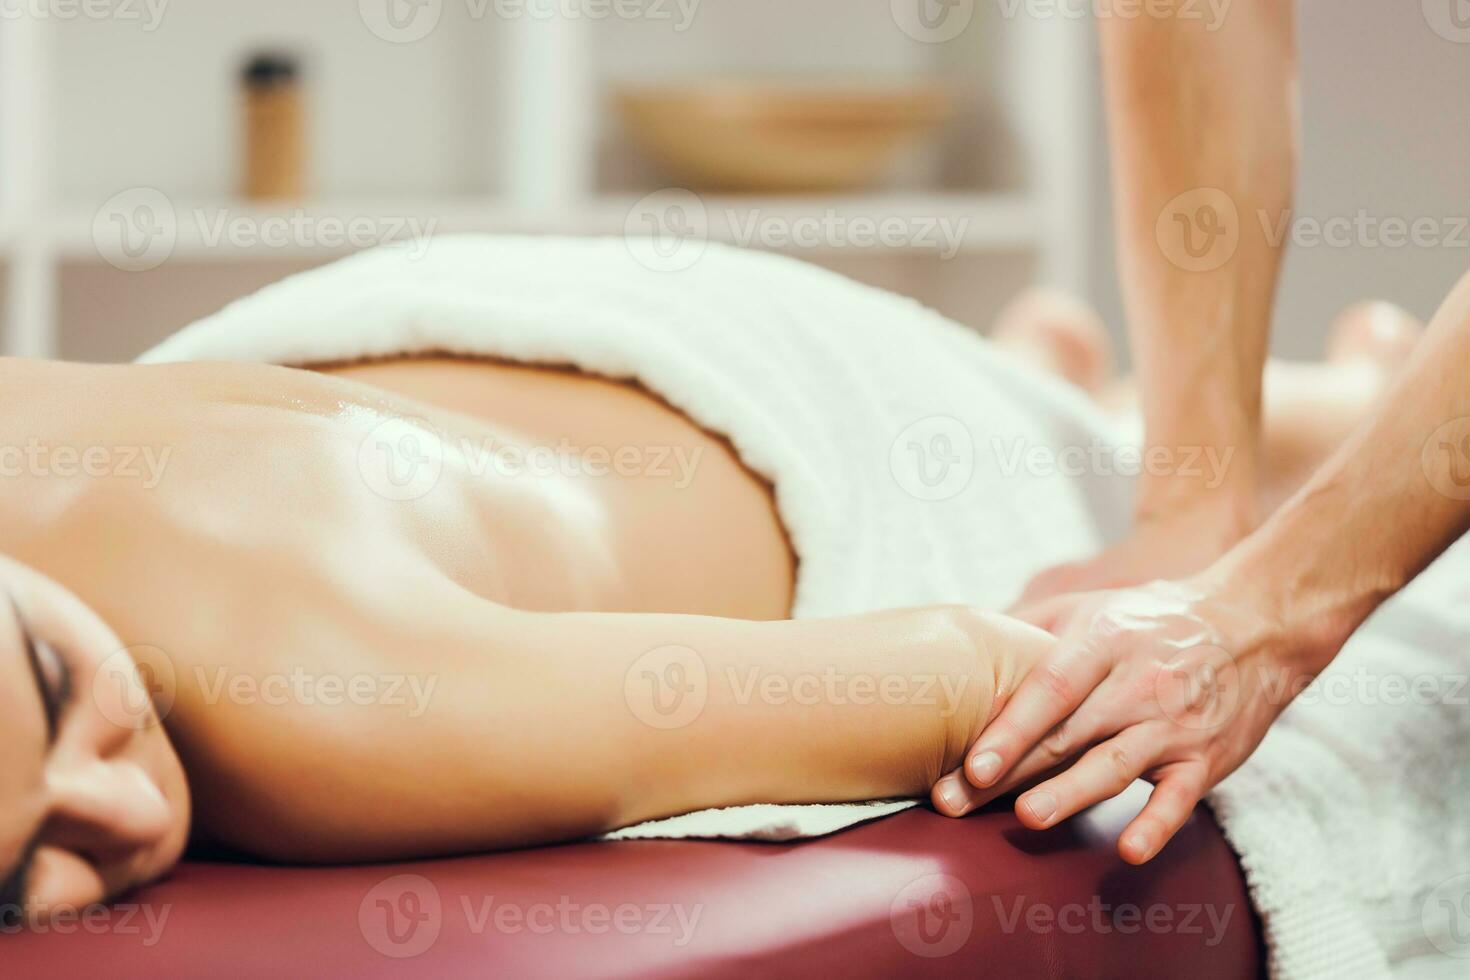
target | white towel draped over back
[{"x": 913, "y": 464}]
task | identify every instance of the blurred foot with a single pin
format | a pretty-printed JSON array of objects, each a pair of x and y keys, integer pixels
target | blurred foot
[
  {"x": 1374, "y": 332},
  {"x": 1060, "y": 334}
]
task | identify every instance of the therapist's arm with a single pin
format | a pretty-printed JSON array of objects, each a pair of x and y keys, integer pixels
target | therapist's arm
[
  {"x": 1179, "y": 682},
  {"x": 1380, "y": 510},
  {"x": 1202, "y": 124}
]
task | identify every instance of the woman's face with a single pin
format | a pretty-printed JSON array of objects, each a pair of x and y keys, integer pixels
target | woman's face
[{"x": 93, "y": 799}]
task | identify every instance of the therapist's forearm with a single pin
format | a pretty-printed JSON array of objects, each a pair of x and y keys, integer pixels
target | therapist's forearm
[
  {"x": 1382, "y": 508},
  {"x": 1192, "y": 107}
]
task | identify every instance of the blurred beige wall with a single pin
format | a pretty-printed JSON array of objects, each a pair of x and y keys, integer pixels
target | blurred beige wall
[
  {"x": 1386, "y": 132},
  {"x": 1386, "y": 135}
]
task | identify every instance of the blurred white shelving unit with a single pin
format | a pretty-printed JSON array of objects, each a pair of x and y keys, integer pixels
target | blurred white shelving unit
[{"x": 496, "y": 124}]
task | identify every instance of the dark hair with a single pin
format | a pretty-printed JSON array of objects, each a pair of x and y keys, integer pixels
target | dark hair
[{"x": 13, "y": 887}]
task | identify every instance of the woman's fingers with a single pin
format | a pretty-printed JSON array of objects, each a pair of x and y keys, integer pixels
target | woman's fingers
[
  {"x": 1051, "y": 692},
  {"x": 1104, "y": 772},
  {"x": 1179, "y": 789}
]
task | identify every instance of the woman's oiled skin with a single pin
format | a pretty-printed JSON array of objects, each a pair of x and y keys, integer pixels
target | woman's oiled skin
[
  {"x": 505, "y": 622},
  {"x": 231, "y": 530}
]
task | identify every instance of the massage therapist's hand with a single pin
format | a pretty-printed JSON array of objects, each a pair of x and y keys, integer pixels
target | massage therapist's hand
[
  {"x": 1174, "y": 544},
  {"x": 1172, "y": 682}
]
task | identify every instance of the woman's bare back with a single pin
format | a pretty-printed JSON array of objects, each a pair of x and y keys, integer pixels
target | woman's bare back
[
  {"x": 242, "y": 524},
  {"x": 676, "y": 520},
  {"x": 539, "y": 489}
]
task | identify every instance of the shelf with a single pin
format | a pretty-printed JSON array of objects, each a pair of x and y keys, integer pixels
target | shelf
[
  {"x": 503, "y": 125},
  {"x": 238, "y": 230}
]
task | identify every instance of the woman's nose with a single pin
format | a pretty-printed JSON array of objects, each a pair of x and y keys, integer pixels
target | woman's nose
[{"x": 104, "y": 805}]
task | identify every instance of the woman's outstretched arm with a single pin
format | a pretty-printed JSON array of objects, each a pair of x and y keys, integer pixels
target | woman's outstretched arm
[{"x": 537, "y": 727}]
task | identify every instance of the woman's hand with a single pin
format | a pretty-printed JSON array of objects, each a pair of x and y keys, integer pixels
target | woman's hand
[{"x": 1173, "y": 682}]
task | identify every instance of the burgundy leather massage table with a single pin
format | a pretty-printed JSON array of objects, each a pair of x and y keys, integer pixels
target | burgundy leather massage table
[{"x": 913, "y": 895}]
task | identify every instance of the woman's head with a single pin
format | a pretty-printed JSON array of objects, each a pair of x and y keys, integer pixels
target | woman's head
[{"x": 93, "y": 799}]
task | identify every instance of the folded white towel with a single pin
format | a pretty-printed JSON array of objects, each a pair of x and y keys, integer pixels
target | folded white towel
[{"x": 915, "y": 464}]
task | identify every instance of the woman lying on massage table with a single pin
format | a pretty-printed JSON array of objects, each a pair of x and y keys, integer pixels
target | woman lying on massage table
[{"x": 335, "y": 676}]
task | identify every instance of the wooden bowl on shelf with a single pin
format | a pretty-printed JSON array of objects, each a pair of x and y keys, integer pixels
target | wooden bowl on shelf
[{"x": 767, "y": 136}]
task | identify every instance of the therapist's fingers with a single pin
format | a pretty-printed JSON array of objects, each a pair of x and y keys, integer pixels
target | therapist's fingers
[
  {"x": 1048, "y": 614},
  {"x": 1052, "y": 691},
  {"x": 954, "y": 796},
  {"x": 1178, "y": 790},
  {"x": 1104, "y": 772},
  {"x": 1057, "y": 582},
  {"x": 1061, "y": 746}
]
